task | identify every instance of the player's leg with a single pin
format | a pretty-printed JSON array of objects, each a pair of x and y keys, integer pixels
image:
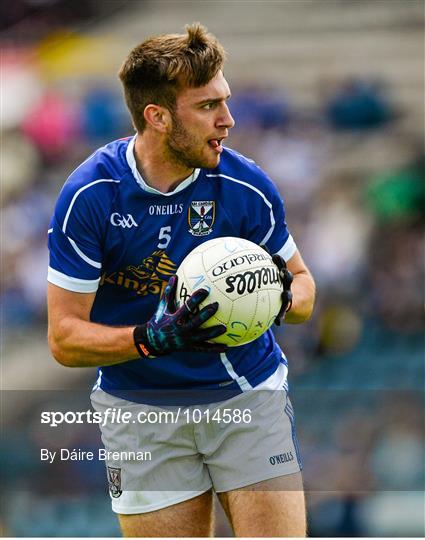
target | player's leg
[
  {"x": 191, "y": 518},
  {"x": 270, "y": 508},
  {"x": 168, "y": 492},
  {"x": 255, "y": 466}
]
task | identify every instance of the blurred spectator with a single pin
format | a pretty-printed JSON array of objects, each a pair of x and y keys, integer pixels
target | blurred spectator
[
  {"x": 358, "y": 105},
  {"x": 398, "y": 455},
  {"x": 398, "y": 195},
  {"x": 104, "y": 117},
  {"x": 294, "y": 155},
  {"x": 337, "y": 234},
  {"x": 20, "y": 164},
  {"x": 340, "y": 329},
  {"x": 52, "y": 125},
  {"x": 254, "y": 106},
  {"x": 396, "y": 269},
  {"x": 21, "y": 85}
]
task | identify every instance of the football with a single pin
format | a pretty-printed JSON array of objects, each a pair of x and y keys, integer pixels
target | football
[{"x": 242, "y": 278}]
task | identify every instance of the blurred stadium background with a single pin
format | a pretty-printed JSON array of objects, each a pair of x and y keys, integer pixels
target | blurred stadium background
[{"x": 328, "y": 98}]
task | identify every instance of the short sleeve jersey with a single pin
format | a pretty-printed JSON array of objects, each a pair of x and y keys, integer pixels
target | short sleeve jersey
[{"x": 114, "y": 235}]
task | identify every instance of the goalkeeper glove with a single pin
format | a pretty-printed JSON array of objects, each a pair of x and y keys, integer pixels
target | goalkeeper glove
[
  {"x": 286, "y": 278},
  {"x": 178, "y": 330}
]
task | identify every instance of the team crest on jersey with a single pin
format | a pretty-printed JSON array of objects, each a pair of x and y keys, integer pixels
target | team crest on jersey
[
  {"x": 201, "y": 216},
  {"x": 114, "y": 481}
]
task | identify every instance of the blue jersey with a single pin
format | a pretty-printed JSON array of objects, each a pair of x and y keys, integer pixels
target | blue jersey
[{"x": 114, "y": 235}]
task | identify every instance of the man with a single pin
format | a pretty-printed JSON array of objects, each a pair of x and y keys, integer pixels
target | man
[{"x": 124, "y": 221}]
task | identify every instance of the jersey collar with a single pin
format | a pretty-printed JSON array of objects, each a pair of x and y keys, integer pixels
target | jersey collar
[{"x": 131, "y": 160}]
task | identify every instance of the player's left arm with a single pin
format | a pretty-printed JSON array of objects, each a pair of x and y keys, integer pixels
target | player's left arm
[
  {"x": 267, "y": 227},
  {"x": 303, "y": 291}
]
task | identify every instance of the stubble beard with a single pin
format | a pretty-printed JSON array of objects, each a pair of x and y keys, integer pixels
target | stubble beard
[{"x": 181, "y": 148}]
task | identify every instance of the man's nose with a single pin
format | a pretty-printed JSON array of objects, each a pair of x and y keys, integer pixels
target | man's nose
[{"x": 226, "y": 119}]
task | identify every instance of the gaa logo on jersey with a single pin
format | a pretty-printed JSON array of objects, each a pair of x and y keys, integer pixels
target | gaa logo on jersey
[{"x": 201, "y": 217}]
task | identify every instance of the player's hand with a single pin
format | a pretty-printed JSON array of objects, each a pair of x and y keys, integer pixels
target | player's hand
[
  {"x": 286, "y": 278},
  {"x": 179, "y": 330}
]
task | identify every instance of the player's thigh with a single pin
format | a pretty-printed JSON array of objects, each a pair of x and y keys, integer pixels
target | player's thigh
[
  {"x": 271, "y": 508},
  {"x": 190, "y": 518}
]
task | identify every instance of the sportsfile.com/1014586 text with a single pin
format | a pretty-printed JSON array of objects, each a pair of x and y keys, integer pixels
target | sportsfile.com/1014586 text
[{"x": 112, "y": 415}]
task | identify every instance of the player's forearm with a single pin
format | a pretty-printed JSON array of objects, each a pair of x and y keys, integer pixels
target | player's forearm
[
  {"x": 303, "y": 295},
  {"x": 79, "y": 343}
]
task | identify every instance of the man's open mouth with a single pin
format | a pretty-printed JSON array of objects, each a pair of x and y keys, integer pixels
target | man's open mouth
[{"x": 216, "y": 144}]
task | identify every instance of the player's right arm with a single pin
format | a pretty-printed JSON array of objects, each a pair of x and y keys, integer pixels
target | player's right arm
[{"x": 75, "y": 341}]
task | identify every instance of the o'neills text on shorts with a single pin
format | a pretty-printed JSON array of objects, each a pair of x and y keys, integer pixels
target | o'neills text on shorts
[{"x": 77, "y": 454}]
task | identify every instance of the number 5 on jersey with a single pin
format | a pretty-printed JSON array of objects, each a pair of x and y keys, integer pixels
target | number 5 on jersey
[{"x": 164, "y": 237}]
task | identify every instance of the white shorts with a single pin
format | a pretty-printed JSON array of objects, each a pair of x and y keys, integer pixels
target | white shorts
[{"x": 164, "y": 455}]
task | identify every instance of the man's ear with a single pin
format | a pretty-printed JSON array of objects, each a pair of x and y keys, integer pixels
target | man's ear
[{"x": 159, "y": 118}]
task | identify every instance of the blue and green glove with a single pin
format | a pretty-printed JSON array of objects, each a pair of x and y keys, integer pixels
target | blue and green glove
[{"x": 172, "y": 330}]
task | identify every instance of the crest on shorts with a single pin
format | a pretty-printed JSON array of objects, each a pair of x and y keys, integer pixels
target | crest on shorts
[
  {"x": 114, "y": 481},
  {"x": 201, "y": 216}
]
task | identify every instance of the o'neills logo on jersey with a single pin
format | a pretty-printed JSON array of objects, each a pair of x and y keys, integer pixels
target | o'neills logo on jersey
[
  {"x": 165, "y": 209},
  {"x": 201, "y": 216},
  {"x": 149, "y": 277},
  {"x": 237, "y": 261}
]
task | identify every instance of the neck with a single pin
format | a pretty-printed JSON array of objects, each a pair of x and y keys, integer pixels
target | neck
[{"x": 157, "y": 170}]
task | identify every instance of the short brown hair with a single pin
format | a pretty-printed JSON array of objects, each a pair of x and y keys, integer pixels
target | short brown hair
[{"x": 155, "y": 70}]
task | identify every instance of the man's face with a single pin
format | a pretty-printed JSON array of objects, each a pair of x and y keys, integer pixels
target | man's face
[{"x": 199, "y": 124}]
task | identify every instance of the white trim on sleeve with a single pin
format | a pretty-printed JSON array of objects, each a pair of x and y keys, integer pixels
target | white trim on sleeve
[
  {"x": 288, "y": 249},
  {"x": 91, "y": 262},
  {"x": 268, "y": 203},
  {"x": 70, "y": 283},
  {"x": 74, "y": 198}
]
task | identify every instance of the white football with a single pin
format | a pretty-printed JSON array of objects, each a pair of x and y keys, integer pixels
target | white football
[{"x": 242, "y": 278}]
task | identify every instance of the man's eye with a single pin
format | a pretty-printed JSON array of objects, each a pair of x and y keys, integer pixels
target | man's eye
[{"x": 209, "y": 106}]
